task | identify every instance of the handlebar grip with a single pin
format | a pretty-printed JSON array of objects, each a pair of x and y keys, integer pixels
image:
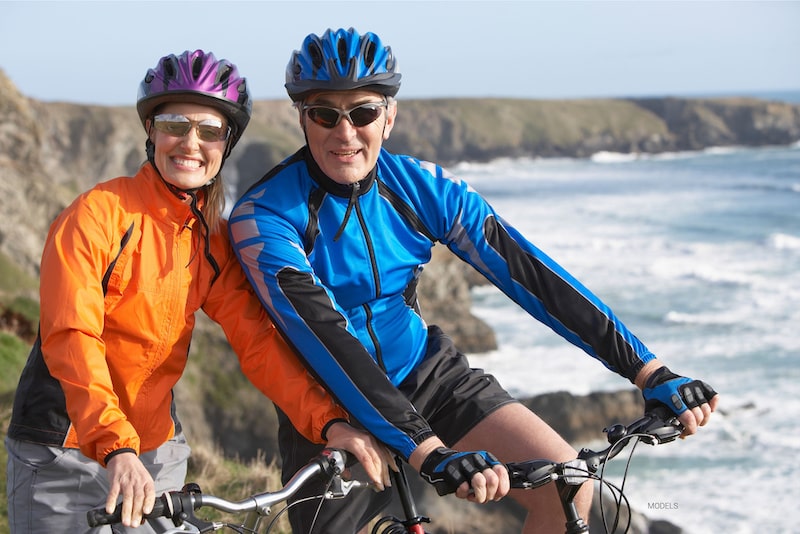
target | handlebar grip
[{"x": 99, "y": 516}]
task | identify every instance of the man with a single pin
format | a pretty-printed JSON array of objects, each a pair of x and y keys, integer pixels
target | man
[{"x": 334, "y": 240}]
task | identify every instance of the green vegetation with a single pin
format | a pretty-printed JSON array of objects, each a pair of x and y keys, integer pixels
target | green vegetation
[
  {"x": 13, "y": 278},
  {"x": 5, "y": 417},
  {"x": 13, "y": 353},
  {"x": 448, "y": 131}
]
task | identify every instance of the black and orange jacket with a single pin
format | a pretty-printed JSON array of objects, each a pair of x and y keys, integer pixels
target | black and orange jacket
[{"x": 122, "y": 274}]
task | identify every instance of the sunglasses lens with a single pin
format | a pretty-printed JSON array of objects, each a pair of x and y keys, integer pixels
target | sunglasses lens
[
  {"x": 358, "y": 116},
  {"x": 179, "y": 126},
  {"x": 325, "y": 117},
  {"x": 363, "y": 115},
  {"x": 173, "y": 128},
  {"x": 211, "y": 133}
]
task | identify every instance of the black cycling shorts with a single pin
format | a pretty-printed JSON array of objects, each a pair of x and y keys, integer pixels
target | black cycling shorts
[{"x": 450, "y": 395}]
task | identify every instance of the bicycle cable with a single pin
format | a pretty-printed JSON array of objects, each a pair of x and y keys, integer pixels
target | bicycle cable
[{"x": 285, "y": 509}]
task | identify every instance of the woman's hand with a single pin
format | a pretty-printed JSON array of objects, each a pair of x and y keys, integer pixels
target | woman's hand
[
  {"x": 372, "y": 455},
  {"x": 127, "y": 476}
]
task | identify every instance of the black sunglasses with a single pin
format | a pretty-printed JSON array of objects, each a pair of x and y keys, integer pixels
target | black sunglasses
[
  {"x": 174, "y": 125},
  {"x": 360, "y": 115}
]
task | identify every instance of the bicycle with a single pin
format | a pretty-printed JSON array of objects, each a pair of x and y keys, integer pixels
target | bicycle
[{"x": 655, "y": 427}]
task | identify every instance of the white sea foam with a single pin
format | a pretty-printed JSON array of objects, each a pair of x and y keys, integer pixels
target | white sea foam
[
  {"x": 614, "y": 157},
  {"x": 782, "y": 241},
  {"x": 708, "y": 278}
]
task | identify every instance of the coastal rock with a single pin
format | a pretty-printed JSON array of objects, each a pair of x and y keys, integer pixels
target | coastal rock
[{"x": 445, "y": 300}]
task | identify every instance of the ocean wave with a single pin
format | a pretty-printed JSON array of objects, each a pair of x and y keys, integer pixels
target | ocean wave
[
  {"x": 711, "y": 273},
  {"x": 605, "y": 156},
  {"x": 705, "y": 319},
  {"x": 614, "y": 157},
  {"x": 781, "y": 241}
]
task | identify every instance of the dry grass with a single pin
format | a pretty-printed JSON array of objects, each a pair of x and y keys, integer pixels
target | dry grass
[{"x": 235, "y": 481}]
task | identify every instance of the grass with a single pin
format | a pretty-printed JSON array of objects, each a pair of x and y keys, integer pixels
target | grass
[
  {"x": 5, "y": 417},
  {"x": 13, "y": 279},
  {"x": 13, "y": 354},
  {"x": 235, "y": 481}
]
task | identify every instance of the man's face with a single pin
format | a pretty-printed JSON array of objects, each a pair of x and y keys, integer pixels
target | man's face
[{"x": 347, "y": 153}]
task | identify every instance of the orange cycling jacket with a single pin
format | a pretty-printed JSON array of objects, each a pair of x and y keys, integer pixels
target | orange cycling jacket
[{"x": 123, "y": 272}]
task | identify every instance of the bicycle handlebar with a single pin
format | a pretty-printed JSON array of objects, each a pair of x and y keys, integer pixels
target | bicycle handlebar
[
  {"x": 179, "y": 505},
  {"x": 655, "y": 427}
]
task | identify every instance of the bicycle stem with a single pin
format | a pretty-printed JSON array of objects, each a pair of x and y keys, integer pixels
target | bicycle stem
[{"x": 413, "y": 519}]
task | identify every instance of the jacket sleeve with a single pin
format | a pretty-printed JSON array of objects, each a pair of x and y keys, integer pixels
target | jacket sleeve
[
  {"x": 480, "y": 237},
  {"x": 264, "y": 356},
  {"x": 271, "y": 252},
  {"x": 78, "y": 250}
]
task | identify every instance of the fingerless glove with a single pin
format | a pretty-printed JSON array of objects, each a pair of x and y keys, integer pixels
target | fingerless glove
[
  {"x": 447, "y": 469},
  {"x": 677, "y": 392}
]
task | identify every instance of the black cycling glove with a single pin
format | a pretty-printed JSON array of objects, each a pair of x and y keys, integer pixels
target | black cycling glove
[
  {"x": 447, "y": 469},
  {"x": 676, "y": 392}
]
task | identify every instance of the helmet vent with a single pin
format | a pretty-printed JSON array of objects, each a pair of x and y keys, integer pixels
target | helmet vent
[
  {"x": 316, "y": 55},
  {"x": 369, "y": 54},
  {"x": 224, "y": 74},
  {"x": 341, "y": 49},
  {"x": 244, "y": 95},
  {"x": 170, "y": 68},
  {"x": 197, "y": 67}
]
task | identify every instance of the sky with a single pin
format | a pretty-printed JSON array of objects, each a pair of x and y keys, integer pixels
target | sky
[{"x": 97, "y": 52}]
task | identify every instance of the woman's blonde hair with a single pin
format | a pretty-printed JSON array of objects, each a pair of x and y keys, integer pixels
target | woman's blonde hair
[{"x": 214, "y": 204}]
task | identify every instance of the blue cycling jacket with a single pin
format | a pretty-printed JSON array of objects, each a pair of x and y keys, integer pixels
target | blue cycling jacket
[{"x": 337, "y": 266}]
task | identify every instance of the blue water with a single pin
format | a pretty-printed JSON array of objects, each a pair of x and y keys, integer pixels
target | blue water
[{"x": 699, "y": 254}]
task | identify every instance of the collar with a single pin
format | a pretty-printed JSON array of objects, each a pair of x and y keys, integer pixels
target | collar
[{"x": 334, "y": 188}]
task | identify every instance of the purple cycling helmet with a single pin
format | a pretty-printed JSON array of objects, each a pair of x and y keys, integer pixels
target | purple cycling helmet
[
  {"x": 197, "y": 77},
  {"x": 341, "y": 60}
]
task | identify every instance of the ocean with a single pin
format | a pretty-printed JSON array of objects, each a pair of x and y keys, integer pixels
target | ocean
[{"x": 699, "y": 254}]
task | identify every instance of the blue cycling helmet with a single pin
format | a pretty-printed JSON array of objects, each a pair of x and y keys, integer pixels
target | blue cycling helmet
[{"x": 339, "y": 61}]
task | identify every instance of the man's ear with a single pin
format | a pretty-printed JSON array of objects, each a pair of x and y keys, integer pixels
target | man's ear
[{"x": 391, "y": 116}]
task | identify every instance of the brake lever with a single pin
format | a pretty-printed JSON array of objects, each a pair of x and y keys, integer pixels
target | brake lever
[
  {"x": 532, "y": 473},
  {"x": 340, "y": 488},
  {"x": 659, "y": 426}
]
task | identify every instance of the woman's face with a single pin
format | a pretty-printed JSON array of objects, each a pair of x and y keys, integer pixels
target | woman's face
[{"x": 193, "y": 159}]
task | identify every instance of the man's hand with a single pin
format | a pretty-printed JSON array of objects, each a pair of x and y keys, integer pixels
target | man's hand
[
  {"x": 692, "y": 401},
  {"x": 374, "y": 457},
  {"x": 459, "y": 472},
  {"x": 127, "y": 476}
]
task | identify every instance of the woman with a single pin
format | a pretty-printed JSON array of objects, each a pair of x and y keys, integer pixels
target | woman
[{"x": 123, "y": 271}]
